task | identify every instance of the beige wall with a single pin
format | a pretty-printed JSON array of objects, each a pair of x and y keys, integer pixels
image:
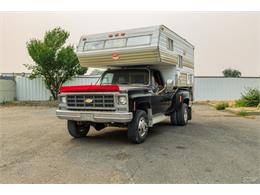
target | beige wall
[{"x": 221, "y": 40}]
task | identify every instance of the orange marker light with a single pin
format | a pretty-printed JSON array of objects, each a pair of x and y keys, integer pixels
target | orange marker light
[{"x": 180, "y": 98}]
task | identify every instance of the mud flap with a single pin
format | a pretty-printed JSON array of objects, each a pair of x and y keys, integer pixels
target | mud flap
[{"x": 189, "y": 113}]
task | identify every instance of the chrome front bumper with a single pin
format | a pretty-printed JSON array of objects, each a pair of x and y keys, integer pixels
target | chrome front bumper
[{"x": 95, "y": 116}]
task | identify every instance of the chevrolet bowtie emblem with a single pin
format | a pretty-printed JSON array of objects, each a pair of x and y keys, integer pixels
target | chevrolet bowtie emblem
[{"x": 88, "y": 101}]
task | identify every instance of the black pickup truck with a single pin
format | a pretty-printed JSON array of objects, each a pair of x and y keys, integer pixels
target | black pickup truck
[{"x": 132, "y": 97}]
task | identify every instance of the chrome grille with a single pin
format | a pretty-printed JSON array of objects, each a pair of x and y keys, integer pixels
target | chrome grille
[{"x": 98, "y": 101}]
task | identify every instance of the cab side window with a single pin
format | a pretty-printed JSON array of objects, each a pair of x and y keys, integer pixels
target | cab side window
[{"x": 157, "y": 79}]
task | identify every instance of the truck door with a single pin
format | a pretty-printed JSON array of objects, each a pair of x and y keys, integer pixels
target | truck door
[{"x": 162, "y": 101}]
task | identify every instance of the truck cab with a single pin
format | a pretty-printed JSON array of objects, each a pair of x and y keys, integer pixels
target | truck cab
[{"x": 148, "y": 78}]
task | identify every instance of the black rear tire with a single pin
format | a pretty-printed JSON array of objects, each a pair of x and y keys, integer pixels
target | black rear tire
[
  {"x": 182, "y": 115},
  {"x": 77, "y": 130},
  {"x": 138, "y": 127},
  {"x": 173, "y": 118}
]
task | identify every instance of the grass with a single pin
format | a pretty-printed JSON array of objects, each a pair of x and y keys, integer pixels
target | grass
[
  {"x": 221, "y": 106},
  {"x": 242, "y": 113}
]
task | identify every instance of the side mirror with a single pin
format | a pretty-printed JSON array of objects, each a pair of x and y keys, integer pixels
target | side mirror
[{"x": 169, "y": 85}]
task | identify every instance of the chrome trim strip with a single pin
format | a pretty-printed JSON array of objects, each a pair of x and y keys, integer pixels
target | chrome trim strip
[{"x": 96, "y": 116}]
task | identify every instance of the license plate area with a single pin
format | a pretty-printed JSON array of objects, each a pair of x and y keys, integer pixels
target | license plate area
[{"x": 87, "y": 116}]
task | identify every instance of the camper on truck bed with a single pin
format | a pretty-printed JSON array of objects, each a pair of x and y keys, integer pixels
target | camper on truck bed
[{"x": 149, "y": 78}]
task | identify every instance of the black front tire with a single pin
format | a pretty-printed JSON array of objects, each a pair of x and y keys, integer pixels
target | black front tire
[
  {"x": 78, "y": 130},
  {"x": 138, "y": 127},
  {"x": 99, "y": 126},
  {"x": 182, "y": 115}
]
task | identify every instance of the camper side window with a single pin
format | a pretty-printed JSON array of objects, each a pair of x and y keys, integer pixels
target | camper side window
[
  {"x": 115, "y": 43},
  {"x": 93, "y": 45},
  {"x": 180, "y": 61},
  {"x": 170, "y": 44},
  {"x": 139, "y": 40}
]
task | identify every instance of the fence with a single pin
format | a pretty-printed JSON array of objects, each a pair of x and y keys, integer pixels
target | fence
[
  {"x": 205, "y": 88},
  {"x": 222, "y": 88},
  {"x": 7, "y": 90},
  {"x": 35, "y": 89}
]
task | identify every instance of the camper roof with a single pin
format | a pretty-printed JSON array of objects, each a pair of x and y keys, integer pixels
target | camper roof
[{"x": 128, "y": 33}]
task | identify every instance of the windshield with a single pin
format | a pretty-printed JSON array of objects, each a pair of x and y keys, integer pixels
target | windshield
[{"x": 125, "y": 77}]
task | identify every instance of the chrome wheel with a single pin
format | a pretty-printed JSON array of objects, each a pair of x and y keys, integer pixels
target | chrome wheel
[
  {"x": 185, "y": 114},
  {"x": 142, "y": 127}
]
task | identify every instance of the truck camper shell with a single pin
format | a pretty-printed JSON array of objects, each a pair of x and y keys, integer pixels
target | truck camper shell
[{"x": 156, "y": 45}]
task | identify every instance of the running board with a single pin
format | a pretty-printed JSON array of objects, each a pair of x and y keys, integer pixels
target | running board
[{"x": 158, "y": 118}]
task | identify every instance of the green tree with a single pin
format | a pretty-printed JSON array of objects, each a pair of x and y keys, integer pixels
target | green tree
[
  {"x": 54, "y": 61},
  {"x": 231, "y": 73}
]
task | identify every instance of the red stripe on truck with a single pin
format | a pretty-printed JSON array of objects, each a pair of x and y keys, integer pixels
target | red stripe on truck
[{"x": 90, "y": 88}]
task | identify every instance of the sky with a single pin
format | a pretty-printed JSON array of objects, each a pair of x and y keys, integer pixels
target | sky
[{"x": 221, "y": 39}]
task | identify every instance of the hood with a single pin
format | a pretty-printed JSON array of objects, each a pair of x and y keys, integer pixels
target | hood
[
  {"x": 89, "y": 88},
  {"x": 100, "y": 88}
]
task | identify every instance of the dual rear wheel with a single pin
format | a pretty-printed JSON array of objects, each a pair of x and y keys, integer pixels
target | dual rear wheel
[{"x": 181, "y": 116}]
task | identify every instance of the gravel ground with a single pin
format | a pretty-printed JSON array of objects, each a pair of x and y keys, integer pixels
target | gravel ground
[{"x": 215, "y": 147}]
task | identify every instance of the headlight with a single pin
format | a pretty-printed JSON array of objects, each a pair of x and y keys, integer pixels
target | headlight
[
  {"x": 122, "y": 100},
  {"x": 63, "y": 99}
]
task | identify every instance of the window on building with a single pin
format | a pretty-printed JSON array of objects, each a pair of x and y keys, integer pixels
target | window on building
[
  {"x": 170, "y": 44},
  {"x": 139, "y": 40},
  {"x": 180, "y": 61}
]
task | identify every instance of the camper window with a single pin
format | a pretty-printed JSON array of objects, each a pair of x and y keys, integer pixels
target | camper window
[
  {"x": 170, "y": 44},
  {"x": 93, "y": 45},
  {"x": 180, "y": 61},
  {"x": 115, "y": 43},
  {"x": 139, "y": 40}
]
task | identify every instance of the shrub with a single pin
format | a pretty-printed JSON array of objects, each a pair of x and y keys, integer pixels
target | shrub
[
  {"x": 251, "y": 98},
  {"x": 242, "y": 113},
  {"x": 222, "y": 106},
  {"x": 3, "y": 102}
]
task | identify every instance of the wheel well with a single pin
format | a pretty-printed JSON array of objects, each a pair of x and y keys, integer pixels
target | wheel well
[
  {"x": 143, "y": 106},
  {"x": 186, "y": 101}
]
